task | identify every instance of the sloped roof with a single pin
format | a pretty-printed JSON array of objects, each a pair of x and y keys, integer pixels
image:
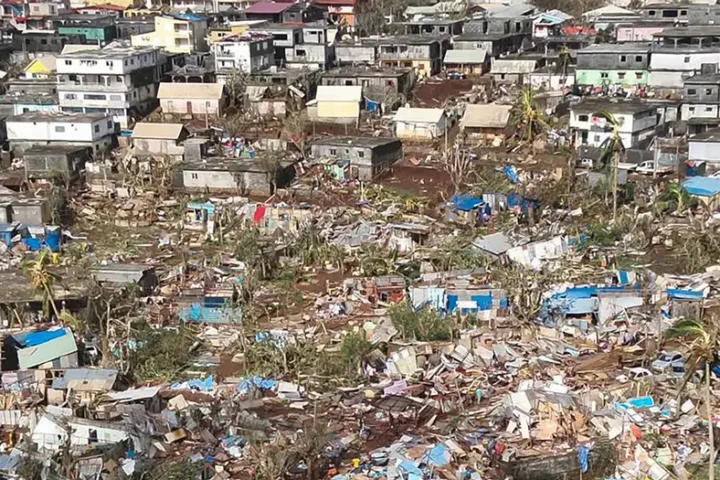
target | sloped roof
[
  {"x": 191, "y": 91},
  {"x": 512, "y": 11},
  {"x": 419, "y": 115},
  {"x": 46, "y": 61},
  {"x": 466, "y": 56},
  {"x": 268, "y": 7},
  {"x": 513, "y": 66},
  {"x": 161, "y": 131},
  {"x": 78, "y": 48},
  {"x": 608, "y": 10},
  {"x": 486, "y": 116},
  {"x": 339, "y": 93}
]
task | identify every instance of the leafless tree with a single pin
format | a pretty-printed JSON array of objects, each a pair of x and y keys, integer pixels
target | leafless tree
[
  {"x": 295, "y": 130},
  {"x": 458, "y": 164}
]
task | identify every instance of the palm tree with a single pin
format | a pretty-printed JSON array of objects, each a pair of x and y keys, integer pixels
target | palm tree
[
  {"x": 42, "y": 279},
  {"x": 526, "y": 115},
  {"x": 703, "y": 346},
  {"x": 613, "y": 148}
]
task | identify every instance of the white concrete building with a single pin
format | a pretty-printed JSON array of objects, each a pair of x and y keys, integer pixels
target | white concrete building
[
  {"x": 117, "y": 80},
  {"x": 248, "y": 52},
  {"x": 637, "y": 121},
  {"x": 420, "y": 123},
  {"x": 95, "y": 131}
]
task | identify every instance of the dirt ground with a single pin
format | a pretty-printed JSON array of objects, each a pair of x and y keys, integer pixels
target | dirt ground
[
  {"x": 434, "y": 93},
  {"x": 426, "y": 181}
]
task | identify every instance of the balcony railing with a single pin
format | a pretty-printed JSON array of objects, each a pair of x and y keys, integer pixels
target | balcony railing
[{"x": 77, "y": 86}]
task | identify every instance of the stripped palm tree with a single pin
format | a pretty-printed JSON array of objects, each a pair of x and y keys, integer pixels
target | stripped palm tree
[
  {"x": 703, "y": 338},
  {"x": 42, "y": 279},
  {"x": 612, "y": 151},
  {"x": 527, "y": 117}
]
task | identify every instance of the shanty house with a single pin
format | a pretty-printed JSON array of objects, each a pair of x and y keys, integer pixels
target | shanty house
[
  {"x": 511, "y": 70},
  {"x": 366, "y": 157},
  {"x": 485, "y": 120},
  {"x": 247, "y": 176},
  {"x": 159, "y": 139},
  {"x": 337, "y": 103},
  {"x": 83, "y": 383},
  {"x": 705, "y": 189},
  {"x": 420, "y": 123},
  {"x": 126, "y": 274},
  {"x": 67, "y": 160},
  {"x": 51, "y": 433},
  {"x": 192, "y": 98},
  {"x": 469, "y": 62},
  {"x": 705, "y": 146},
  {"x": 43, "y": 349}
]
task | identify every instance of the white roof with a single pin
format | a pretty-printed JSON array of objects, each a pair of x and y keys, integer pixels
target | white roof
[
  {"x": 466, "y": 56},
  {"x": 161, "y": 131},
  {"x": 608, "y": 10},
  {"x": 191, "y": 91},
  {"x": 78, "y": 48},
  {"x": 513, "y": 66},
  {"x": 133, "y": 394},
  {"x": 486, "y": 116},
  {"x": 339, "y": 93},
  {"x": 419, "y": 115}
]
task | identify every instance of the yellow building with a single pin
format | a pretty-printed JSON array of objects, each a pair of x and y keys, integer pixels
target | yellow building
[
  {"x": 182, "y": 33},
  {"x": 338, "y": 103},
  {"x": 41, "y": 68}
]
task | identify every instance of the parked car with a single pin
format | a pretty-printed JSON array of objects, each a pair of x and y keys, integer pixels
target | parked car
[
  {"x": 648, "y": 167},
  {"x": 586, "y": 163},
  {"x": 665, "y": 360},
  {"x": 635, "y": 374}
]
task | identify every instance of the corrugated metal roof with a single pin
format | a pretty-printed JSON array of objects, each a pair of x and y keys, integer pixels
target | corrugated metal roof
[
  {"x": 57, "y": 347},
  {"x": 339, "y": 93},
  {"x": 419, "y": 115},
  {"x": 513, "y": 11},
  {"x": 513, "y": 66},
  {"x": 191, "y": 91},
  {"x": 466, "y": 56},
  {"x": 268, "y": 7},
  {"x": 133, "y": 395},
  {"x": 162, "y": 131},
  {"x": 78, "y": 48},
  {"x": 255, "y": 93},
  {"x": 86, "y": 380},
  {"x": 486, "y": 116}
]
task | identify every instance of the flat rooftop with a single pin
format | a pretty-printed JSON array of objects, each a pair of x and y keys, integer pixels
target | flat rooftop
[
  {"x": 591, "y": 105},
  {"x": 710, "y": 136},
  {"x": 434, "y": 21},
  {"x": 616, "y": 48},
  {"x": 57, "y": 117},
  {"x": 53, "y": 150},
  {"x": 484, "y": 37},
  {"x": 367, "y": 142},
  {"x": 713, "y": 78},
  {"x": 406, "y": 40},
  {"x": 222, "y": 164},
  {"x": 690, "y": 31},
  {"x": 111, "y": 51},
  {"x": 366, "y": 72}
]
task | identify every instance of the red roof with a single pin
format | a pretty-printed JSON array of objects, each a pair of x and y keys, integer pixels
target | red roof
[
  {"x": 268, "y": 7},
  {"x": 340, "y": 3}
]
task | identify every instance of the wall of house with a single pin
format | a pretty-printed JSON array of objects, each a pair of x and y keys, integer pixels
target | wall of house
[
  {"x": 630, "y": 33},
  {"x": 49, "y": 162},
  {"x": 552, "y": 81},
  {"x": 310, "y": 53},
  {"x": 154, "y": 146},
  {"x": 698, "y": 110},
  {"x": 347, "y": 54},
  {"x": 30, "y": 214},
  {"x": 180, "y": 107},
  {"x": 611, "y": 77},
  {"x": 20, "y": 108},
  {"x": 118, "y": 65},
  {"x": 613, "y": 61},
  {"x": 248, "y": 182},
  {"x": 708, "y": 151},
  {"x": 701, "y": 93},
  {"x": 419, "y": 130},
  {"x": 60, "y": 131},
  {"x": 337, "y": 110}
]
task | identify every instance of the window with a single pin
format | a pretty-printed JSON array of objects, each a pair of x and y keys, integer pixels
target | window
[
  {"x": 683, "y": 13},
  {"x": 708, "y": 91},
  {"x": 604, "y": 75},
  {"x": 110, "y": 124},
  {"x": 36, "y": 8},
  {"x": 333, "y": 151},
  {"x": 691, "y": 109},
  {"x": 300, "y": 53},
  {"x": 119, "y": 78},
  {"x": 583, "y": 118},
  {"x": 623, "y": 58},
  {"x": 621, "y": 75},
  {"x": 265, "y": 45},
  {"x": 70, "y": 96},
  {"x": 686, "y": 60},
  {"x": 194, "y": 176},
  {"x": 442, "y": 29},
  {"x": 43, "y": 41},
  {"x": 97, "y": 128},
  {"x": 93, "y": 96},
  {"x": 691, "y": 91},
  {"x": 708, "y": 109},
  {"x": 597, "y": 138},
  {"x": 361, "y": 154},
  {"x": 639, "y": 75},
  {"x": 108, "y": 63},
  {"x": 59, "y": 129},
  {"x": 116, "y": 98},
  {"x": 651, "y": 13},
  {"x": 638, "y": 58}
]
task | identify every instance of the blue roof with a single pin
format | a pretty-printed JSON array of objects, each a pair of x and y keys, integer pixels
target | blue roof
[
  {"x": 702, "y": 186},
  {"x": 465, "y": 201}
]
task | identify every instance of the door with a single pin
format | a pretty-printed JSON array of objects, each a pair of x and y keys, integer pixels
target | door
[{"x": 189, "y": 108}]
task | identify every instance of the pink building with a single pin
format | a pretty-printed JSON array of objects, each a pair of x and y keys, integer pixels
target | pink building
[{"x": 637, "y": 32}]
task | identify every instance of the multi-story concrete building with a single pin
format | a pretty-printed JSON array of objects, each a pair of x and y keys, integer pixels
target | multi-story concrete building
[
  {"x": 613, "y": 64},
  {"x": 682, "y": 14},
  {"x": 118, "y": 81},
  {"x": 422, "y": 53},
  {"x": 701, "y": 97},
  {"x": 97, "y": 29},
  {"x": 248, "y": 52},
  {"x": 637, "y": 122},
  {"x": 679, "y": 53},
  {"x": 181, "y": 33}
]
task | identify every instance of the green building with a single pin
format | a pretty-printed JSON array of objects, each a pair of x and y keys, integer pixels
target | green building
[{"x": 613, "y": 64}]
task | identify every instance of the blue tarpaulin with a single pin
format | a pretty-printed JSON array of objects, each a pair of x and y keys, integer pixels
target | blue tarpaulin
[
  {"x": 684, "y": 294},
  {"x": 465, "y": 201},
  {"x": 510, "y": 173},
  {"x": 582, "y": 455},
  {"x": 38, "y": 338},
  {"x": 439, "y": 455},
  {"x": 258, "y": 382},
  {"x": 702, "y": 186}
]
